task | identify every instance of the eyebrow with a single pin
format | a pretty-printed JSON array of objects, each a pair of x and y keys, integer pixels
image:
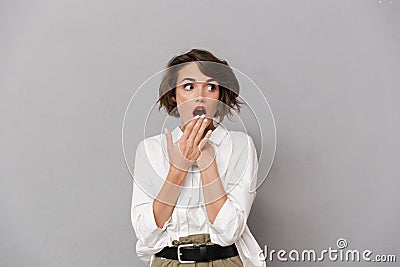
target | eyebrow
[{"x": 193, "y": 80}]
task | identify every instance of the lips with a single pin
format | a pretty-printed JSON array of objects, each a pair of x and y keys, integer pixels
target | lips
[{"x": 199, "y": 110}]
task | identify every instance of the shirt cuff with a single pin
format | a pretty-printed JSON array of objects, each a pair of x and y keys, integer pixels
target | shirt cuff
[
  {"x": 151, "y": 225},
  {"x": 224, "y": 217}
]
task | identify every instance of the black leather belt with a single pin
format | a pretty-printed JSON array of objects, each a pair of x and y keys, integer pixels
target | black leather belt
[{"x": 188, "y": 253}]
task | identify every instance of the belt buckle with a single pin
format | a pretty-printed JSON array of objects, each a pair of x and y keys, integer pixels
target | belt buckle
[{"x": 179, "y": 253}]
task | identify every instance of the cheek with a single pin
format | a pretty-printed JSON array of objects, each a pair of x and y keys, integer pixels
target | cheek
[
  {"x": 216, "y": 95},
  {"x": 184, "y": 106},
  {"x": 182, "y": 103},
  {"x": 181, "y": 97},
  {"x": 214, "y": 98},
  {"x": 213, "y": 103}
]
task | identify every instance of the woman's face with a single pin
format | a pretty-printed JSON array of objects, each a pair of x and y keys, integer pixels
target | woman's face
[{"x": 196, "y": 93}]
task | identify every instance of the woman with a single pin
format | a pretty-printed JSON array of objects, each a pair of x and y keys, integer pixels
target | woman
[{"x": 191, "y": 200}]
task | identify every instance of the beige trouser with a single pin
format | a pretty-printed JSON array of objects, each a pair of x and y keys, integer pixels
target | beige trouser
[{"x": 197, "y": 239}]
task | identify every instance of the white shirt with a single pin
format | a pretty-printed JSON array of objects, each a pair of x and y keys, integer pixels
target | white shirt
[{"x": 237, "y": 165}]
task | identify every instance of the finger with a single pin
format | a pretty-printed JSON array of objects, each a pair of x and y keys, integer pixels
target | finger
[
  {"x": 196, "y": 128},
  {"x": 188, "y": 127},
  {"x": 168, "y": 136},
  {"x": 200, "y": 132},
  {"x": 208, "y": 134},
  {"x": 186, "y": 124},
  {"x": 204, "y": 141},
  {"x": 202, "y": 144}
]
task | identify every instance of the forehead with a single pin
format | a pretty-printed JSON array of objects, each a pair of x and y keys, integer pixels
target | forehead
[{"x": 192, "y": 70}]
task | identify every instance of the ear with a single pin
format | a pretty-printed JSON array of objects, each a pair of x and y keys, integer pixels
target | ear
[{"x": 173, "y": 98}]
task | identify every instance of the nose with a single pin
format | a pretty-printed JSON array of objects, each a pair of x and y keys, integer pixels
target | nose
[{"x": 200, "y": 93}]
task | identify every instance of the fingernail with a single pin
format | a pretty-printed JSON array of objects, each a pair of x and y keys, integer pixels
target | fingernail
[
  {"x": 205, "y": 120},
  {"x": 203, "y": 115},
  {"x": 196, "y": 117},
  {"x": 165, "y": 130}
]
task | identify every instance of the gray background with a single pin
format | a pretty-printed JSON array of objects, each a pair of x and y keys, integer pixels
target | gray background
[{"x": 68, "y": 69}]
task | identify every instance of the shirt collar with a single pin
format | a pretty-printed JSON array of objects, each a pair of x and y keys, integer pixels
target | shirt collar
[{"x": 216, "y": 136}]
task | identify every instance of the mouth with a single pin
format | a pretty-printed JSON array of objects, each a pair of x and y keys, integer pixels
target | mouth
[{"x": 199, "y": 110}]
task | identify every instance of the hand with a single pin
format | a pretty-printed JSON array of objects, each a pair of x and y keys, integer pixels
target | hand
[
  {"x": 207, "y": 155},
  {"x": 185, "y": 152}
]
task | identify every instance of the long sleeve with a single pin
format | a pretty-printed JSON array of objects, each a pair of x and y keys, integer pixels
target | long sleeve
[
  {"x": 151, "y": 238},
  {"x": 231, "y": 220}
]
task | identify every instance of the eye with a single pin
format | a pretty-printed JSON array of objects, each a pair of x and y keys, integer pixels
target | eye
[
  {"x": 211, "y": 87},
  {"x": 188, "y": 86}
]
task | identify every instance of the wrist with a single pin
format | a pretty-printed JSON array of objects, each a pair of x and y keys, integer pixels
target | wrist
[
  {"x": 176, "y": 175},
  {"x": 207, "y": 166}
]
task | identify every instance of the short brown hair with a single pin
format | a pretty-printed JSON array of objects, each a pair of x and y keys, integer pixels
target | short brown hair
[{"x": 217, "y": 69}]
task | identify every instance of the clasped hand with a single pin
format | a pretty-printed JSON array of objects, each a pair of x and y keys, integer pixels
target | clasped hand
[{"x": 191, "y": 147}]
